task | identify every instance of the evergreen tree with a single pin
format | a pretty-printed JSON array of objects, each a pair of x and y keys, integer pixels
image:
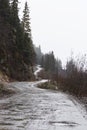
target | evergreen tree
[
  {"x": 26, "y": 20},
  {"x": 29, "y": 53},
  {"x": 16, "y": 48},
  {"x": 6, "y": 37},
  {"x": 52, "y": 62},
  {"x": 14, "y": 13},
  {"x": 38, "y": 55},
  {"x": 49, "y": 62},
  {"x": 5, "y": 9}
]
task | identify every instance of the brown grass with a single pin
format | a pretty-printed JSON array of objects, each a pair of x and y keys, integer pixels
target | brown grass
[{"x": 6, "y": 90}]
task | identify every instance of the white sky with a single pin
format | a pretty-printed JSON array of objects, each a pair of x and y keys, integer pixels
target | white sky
[{"x": 59, "y": 25}]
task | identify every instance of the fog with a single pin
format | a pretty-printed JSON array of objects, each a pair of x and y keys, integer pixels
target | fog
[{"x": 60, "y": 26}]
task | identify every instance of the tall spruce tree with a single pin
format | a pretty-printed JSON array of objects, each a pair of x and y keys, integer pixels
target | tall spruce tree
[
  {"x": 26, "y": 20},
  {"x": 29, "y": 53},
  {"x": 14, "y": 12}
]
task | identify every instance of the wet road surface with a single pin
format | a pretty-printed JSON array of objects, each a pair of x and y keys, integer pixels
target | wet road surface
[{"x": 37, "y": 109}]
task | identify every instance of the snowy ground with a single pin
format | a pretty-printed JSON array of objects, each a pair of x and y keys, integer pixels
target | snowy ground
[{"x": 38, "y": 69}]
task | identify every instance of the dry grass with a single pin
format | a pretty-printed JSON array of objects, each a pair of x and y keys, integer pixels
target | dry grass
[
  {"x": 6, "y": 90},
  {"x": 48, "y": 85}
]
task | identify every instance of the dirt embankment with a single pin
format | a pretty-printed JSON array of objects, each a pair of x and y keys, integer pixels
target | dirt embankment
[
  {"x": 5, "y": 89},
  {"x": 3, "y": 77}
]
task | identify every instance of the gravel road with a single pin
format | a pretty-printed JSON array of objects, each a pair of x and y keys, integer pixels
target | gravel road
[{"x": 33, "y": 108}]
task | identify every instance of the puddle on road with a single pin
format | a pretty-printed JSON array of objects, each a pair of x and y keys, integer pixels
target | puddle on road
[{"x": 64, "y": 123}]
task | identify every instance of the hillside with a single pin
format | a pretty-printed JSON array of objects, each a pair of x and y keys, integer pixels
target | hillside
[{"x": 16, "y": 47}]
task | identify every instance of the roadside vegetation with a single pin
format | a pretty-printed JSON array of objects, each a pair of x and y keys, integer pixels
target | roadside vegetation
[
  {"x": 48, "y": 85},
  {"x": 71, "y": 79},
  {"x": 6, "y": 90},
  {"x": 75, "y": 80}
]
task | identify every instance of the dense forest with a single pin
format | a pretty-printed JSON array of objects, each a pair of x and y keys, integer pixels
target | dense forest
[{"x": 17, "y": 55}]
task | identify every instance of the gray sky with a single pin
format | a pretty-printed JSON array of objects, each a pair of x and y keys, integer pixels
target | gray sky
[{"x": 59, "y": 25}]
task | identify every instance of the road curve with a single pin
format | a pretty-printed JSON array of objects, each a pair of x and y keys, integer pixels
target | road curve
[{"x": 37, "y": 109}]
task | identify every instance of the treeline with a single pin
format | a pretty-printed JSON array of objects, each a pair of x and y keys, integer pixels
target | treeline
[
  {"x": 72, "y": 78},
  {"x": 52, "y": 66},
  {"x": 17, "y": 55}
]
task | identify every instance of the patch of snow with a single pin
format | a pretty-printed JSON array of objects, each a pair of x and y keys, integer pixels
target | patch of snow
[{"x": 38, "y": 69}]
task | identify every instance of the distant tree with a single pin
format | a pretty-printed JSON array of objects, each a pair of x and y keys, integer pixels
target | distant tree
[
  {"x": 70, "y": 67},
  {"x": 58, "y": 67},
  {"x": 42, "y": 61},
  {"x": 38, "y": 54},
  {"x": 49, "y": 62},
  {"x": 52, "y": 62}
]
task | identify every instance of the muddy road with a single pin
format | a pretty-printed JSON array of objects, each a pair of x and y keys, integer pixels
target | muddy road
[{"x": 37, "y": 109}]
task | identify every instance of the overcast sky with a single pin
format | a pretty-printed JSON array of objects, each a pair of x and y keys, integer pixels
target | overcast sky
[{"x": 59, "y": 25}]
